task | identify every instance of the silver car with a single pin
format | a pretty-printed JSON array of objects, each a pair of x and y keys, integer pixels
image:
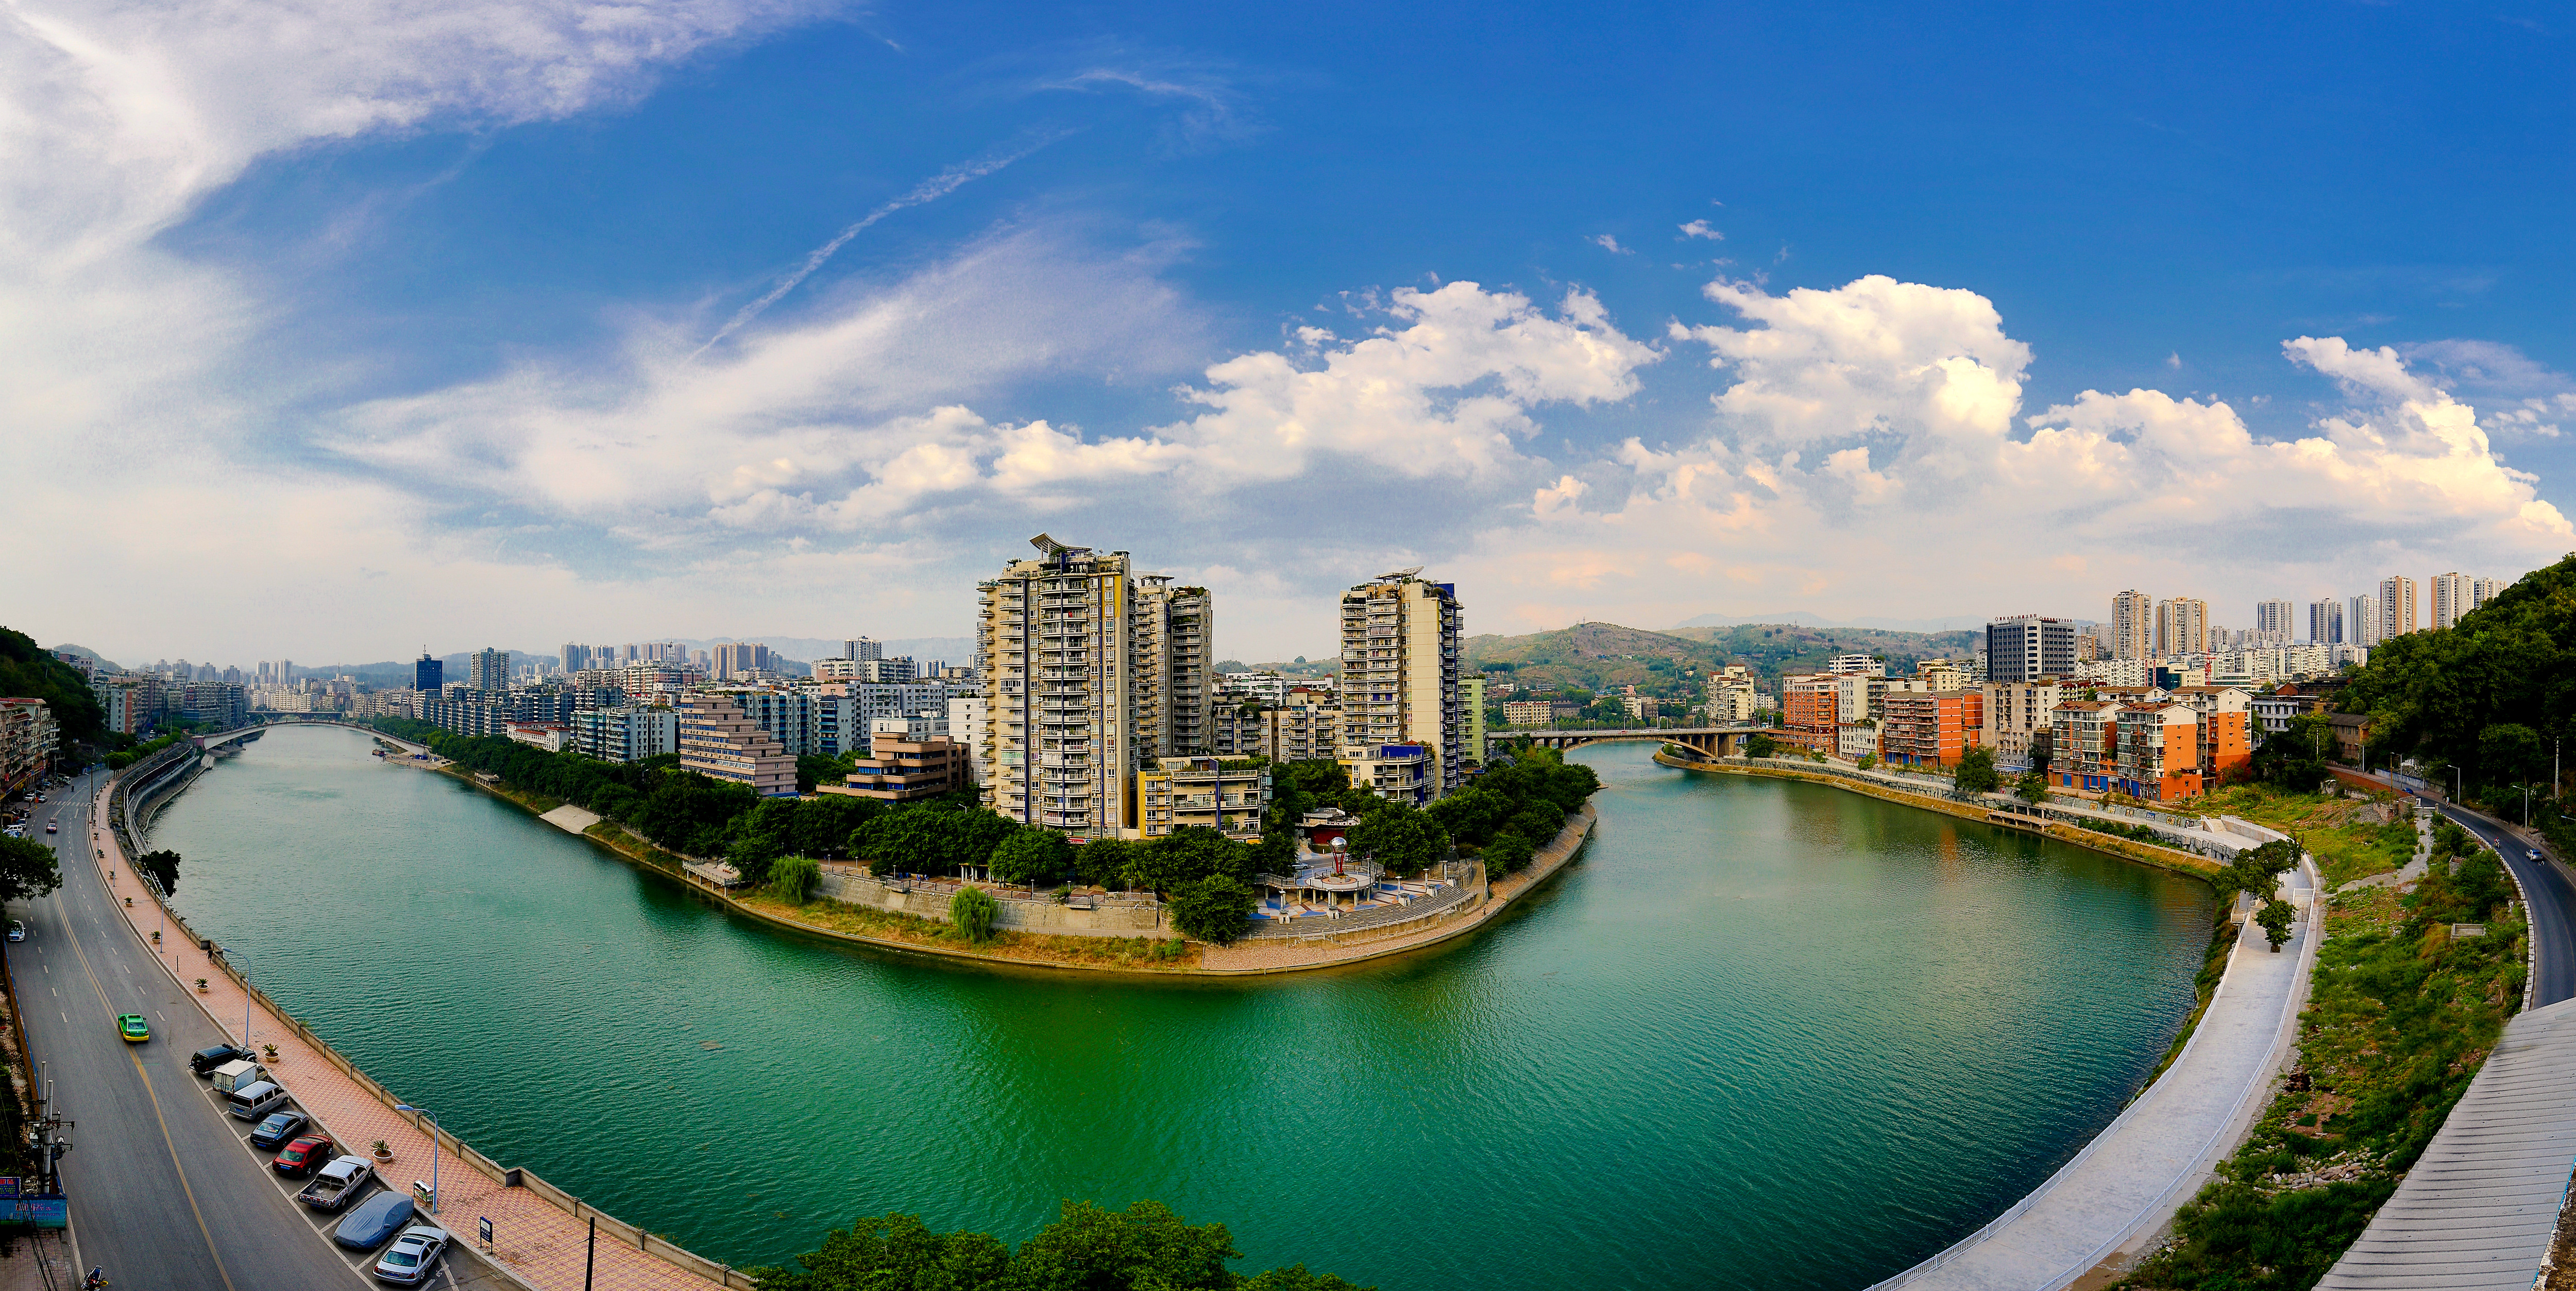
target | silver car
[{"x": 413, "y": 1256}]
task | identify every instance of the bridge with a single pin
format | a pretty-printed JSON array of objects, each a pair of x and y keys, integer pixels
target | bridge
[{"x": 1716, "y": 741}]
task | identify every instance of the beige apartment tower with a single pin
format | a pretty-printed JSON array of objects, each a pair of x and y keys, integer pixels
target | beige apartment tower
[
  {"x": 1175, "y": 671},
  {"x": 2182, "y": 626},
  {"x": 2397, "y": 608},
  {"x": 2133, "y": 625},
  {"x": 1058, "y": 746},
  {"x": 1401, "y": 655}
]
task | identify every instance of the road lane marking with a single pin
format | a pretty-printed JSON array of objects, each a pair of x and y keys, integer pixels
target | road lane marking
[{"x": 163, "y": 1122}]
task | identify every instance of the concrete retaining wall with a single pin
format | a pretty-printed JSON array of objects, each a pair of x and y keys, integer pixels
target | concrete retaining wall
[{"x": 930, "y": 901}]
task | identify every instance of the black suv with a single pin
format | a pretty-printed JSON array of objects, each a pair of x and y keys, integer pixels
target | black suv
[{"x": 204, "y": 1061}]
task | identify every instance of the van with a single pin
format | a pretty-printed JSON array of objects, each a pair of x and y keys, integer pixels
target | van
[
  {"x": 237, "y": 1073},
  {"x": 253, "y": 1101}
]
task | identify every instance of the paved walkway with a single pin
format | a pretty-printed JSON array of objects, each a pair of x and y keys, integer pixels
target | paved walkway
[
  {"x": 534, "y": 1239},
  {"x": 2125, "y": 1185}
]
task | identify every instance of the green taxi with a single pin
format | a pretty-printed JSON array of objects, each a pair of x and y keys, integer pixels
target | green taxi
[{"x": 133, "y": 1028}]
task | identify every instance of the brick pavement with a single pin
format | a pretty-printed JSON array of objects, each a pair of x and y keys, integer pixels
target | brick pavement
[{"x": 534, "y": 1239}]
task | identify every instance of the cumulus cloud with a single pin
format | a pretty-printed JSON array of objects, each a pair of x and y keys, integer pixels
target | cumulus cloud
[
  {"x": 1871, "y": 455},
  {"x": 1610, "y": 244},
  {"x": 1700, "y": 229}
]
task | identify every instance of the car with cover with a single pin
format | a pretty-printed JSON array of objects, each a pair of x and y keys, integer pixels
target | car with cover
[{"x": 374, "y": 1222}]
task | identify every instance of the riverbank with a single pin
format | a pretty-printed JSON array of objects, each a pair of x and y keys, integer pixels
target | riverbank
[
  {"x": 1269, "y": 956},
  {"x": 2163, "y": 858}
]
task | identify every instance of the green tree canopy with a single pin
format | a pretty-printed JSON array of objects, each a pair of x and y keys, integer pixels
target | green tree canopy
[
  {"x": 163, "y": 866},
  {"x": 792, "y": 879},
  {"x": 1401, "y": 838},
  {"x": 2509, "y": 662},
  {"x": 1032, "y": 855},
  {"x": 2274, "y": 918},
  {"x": 1186, "y": 855},
  {"x": 973, "y": 911},
  {"x": 1977, "y": 771},
  {"x": 30, "y": 671},
  {"x": 1103, "y": 862},
  {"x": 1214, "y": 909},
  {"x": 27, "y": 869}
]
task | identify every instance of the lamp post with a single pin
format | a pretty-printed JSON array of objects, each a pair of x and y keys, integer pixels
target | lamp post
[{"x": 433, "y": 1150}]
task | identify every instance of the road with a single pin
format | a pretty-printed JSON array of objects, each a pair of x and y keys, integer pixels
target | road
[
  {"x": 2553, "y": 903},
  {"x": 165, "y": 1193}
]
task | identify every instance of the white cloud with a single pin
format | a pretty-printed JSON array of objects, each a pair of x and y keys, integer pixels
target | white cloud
[
  {"x": 1870, "y": 458},
  {"x": 1610, "y": 244},
  {"x": 1700, "y": 229}
]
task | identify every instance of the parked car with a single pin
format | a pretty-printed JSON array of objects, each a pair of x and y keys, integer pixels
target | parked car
[
  {"x": 303, "y": 1156},
  {"x": 205, "y": 1061},
  {"x": 375, "y": 1220},
  {"x": 337, "y": 1184},
  {"x": 413, "y": 1256},
  {"x": 255, "y": 1101},
  {"x": 280, "y": 1127},
  {"x": 133, "y": 1027},
  {"x": 17, "y": 931},
  {"x": 238, "y": 1073}
]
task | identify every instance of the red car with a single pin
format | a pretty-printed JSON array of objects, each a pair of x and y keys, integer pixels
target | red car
[{"x": 303, "y": 1156}]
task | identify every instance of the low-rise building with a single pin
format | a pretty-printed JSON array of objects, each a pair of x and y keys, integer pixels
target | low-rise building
[
  {"x": 2084, "y": 745},
  {"x": 900, "y": 769},
  {"x": 2351, "y": 737},
  {"x": 28, "y": 738},
  {"x": 1858, "y": 740},
  {"x": 1526, "y": 712},
  {"x": 553, "y": 737},
  {"x": 1811, "y": 711},
  {"x": 2159, "y": 753},
  {"x": 2017, "y": 719},
  {"x": 1231, "y": 797},
  {"x": 720, "y": 741},
  {"x": 1400, "y": 772}
]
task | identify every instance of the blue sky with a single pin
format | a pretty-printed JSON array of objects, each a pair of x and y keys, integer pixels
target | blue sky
[{"x": 406, "y": 321}]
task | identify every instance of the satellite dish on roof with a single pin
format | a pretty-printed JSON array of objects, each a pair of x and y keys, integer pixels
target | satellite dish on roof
[{"x": 1406, "y": 572}]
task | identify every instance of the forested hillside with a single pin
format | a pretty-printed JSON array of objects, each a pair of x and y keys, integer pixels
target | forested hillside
[
  {"x": 1597, "y": 656},
  {"x": 28, "y": 670}
]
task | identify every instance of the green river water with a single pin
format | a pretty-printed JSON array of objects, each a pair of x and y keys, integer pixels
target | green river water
[{"x": 1763, "y": 1034}]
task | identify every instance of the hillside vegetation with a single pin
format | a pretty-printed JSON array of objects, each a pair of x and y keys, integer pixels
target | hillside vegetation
[
  {"x": 1597, "y": 656},
  {"x": 28, "y": 671}
]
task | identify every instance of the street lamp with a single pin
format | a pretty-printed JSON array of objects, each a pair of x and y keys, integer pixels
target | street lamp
[{"x": 433, "y": 1150}]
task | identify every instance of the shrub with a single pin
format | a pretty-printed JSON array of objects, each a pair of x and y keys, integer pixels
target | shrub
[
  {"x": 973, "y": 911},
  {"x": 1506, "y": 854},
  {"x": 1214, "y": 908}
]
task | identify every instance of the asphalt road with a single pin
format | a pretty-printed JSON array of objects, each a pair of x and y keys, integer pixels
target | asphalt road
[
  {"x": 165, "y": 1193},
  {"x": 2553, "y": 904}
]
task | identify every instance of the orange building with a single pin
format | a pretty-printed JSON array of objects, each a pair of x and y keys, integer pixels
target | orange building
[
  {"x": 2084, "y": 744},
  {"x": 2227, "y": 747},
  {"x": 1811, "y": 712},
  {"x": 1931, "y": 728},
  {"x": 2160, "y": 753}
]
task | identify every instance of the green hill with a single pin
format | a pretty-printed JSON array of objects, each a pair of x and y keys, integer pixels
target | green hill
[
  {"x": 29, "y": 671},
  {"x": 1598, "y": 656}
]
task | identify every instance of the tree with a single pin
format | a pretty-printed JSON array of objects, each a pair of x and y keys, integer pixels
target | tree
[
  {"x": 163, "y": 866},
  {"x": 973, "y": 911},
  {"x": 1507, "y": 854},
  {"x": 1032, "y": 855},
  {"x": 1103, "y": 862},
  {"x": 1213, "y": 909},
  {"x": 2032, "y": 788},
  {"x": 792, "y": 880},
  {"x": 895, "y": 1253},
  {"x": 1760, "y": 745},
  {"x": 2291, "y": 760},
  {"x": 1866, "y": 761},
  {"x": 752, "y": 853},
  {"x": 27, "y": 869},
  {"x": 2275, "y": 919},
  {"x": 1977, "y": 771},
  {"x": 1404, "y": 840},
  {"x": 1186, "y": 855},
  {"x": 1089, "y": 1248},
  {"x": 2512, "y": 753},
  {"x": 2255, "y": 870}
]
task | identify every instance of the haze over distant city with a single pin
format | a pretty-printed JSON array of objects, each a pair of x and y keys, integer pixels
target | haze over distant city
[{"x": 327, "y": 333}]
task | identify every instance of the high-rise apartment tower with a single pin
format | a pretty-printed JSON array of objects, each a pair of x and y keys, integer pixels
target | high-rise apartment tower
[
  {"x": 488, "y": 669},
  {"x": 1401, "y": 655},
  {"x": 2325, "y": 622},
  {"x": 2273, "y": 620},
  {"x": 2027, "y": 647},
  {"x": 2182, "y": 626},
  {"x": 428, "y": 674},
  {"x": 2133, "y": 625},
  {"x": 2397, "y": 609},
  {"x": 1175, "y": 670},
  {"x": 1058, "y": 746}
]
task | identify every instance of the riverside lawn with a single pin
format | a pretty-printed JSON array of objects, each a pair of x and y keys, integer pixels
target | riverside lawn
[{"x": 2399, "y": 1018}]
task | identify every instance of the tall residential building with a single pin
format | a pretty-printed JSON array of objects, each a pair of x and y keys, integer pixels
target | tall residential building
[
  {"x": 2397, "y": 609},
  {"x": 740, "y": 659},
  {"x": 1305, "y": 726},
  {"x": 863, "y": 648},
  {"x": 2273, "y": 621},
  {"x": 2027, "y": 647},
  {"x": 1471, "y": 698},
  {"x": 1174, "y": 671},
  {"x": 2361, "y": 621},
  {"x": 2483, "y": 590},
  {"x": 488, "y": 669},
  {"x": 2453, "y": 595},
  {"x": 2325, "y": 622},
  {"x": 2182, "y": 626},
  {"x": 2133, "y": 625},
  {"x": 1401, "y": 658},
  {"x": 1059, "y": 744},
  {"x": 428, "y": 675}
]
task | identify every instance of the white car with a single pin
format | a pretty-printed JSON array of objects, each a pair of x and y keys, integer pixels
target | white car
[{"x": 413, "y": 1256}]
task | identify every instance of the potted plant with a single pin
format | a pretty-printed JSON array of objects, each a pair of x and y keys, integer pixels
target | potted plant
[
  {"x": 269, "y": 1051},
  {"x": 156, "y": 936},
  {"x": 384, "y": 1155},
  {"x": 201, "y": 986}
]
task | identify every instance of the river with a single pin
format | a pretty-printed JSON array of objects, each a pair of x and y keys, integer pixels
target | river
[{"x": 1764, "y": 1034}]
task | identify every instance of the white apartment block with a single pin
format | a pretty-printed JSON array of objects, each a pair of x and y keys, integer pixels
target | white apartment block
[
  {"x": 1858, "y": 664},
  {"x": 1059, "y": 747},
  {"x": 2361, "y": 621},
  {"x": 1175, "y": 671},
  {"x": 2397, "y": 608},
  {"x": 2272, "y": 620},
  {"x": 2325, "y": 622},
  {"x": 2016, "y": 714},
  {"x": 2133, "y": 625},
  {"x": 2027, "y": 647},
  {"x": 2182, "y": 626},
  {"x": 625, "y": 734},
  {"x": 1401, "y": 648},
  {"x": 965, "y": 725}
]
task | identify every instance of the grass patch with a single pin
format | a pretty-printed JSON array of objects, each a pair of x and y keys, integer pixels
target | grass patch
[
  {"x": 1005, "y": 944},
  {"x": 2399, "y": 1018},
  {"x": 2346, "y": 835}
]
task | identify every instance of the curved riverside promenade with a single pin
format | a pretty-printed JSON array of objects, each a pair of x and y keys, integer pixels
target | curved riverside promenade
[
  {"x": 539, "y": 1231},
  {"x": 2115, "y": 1197}
]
